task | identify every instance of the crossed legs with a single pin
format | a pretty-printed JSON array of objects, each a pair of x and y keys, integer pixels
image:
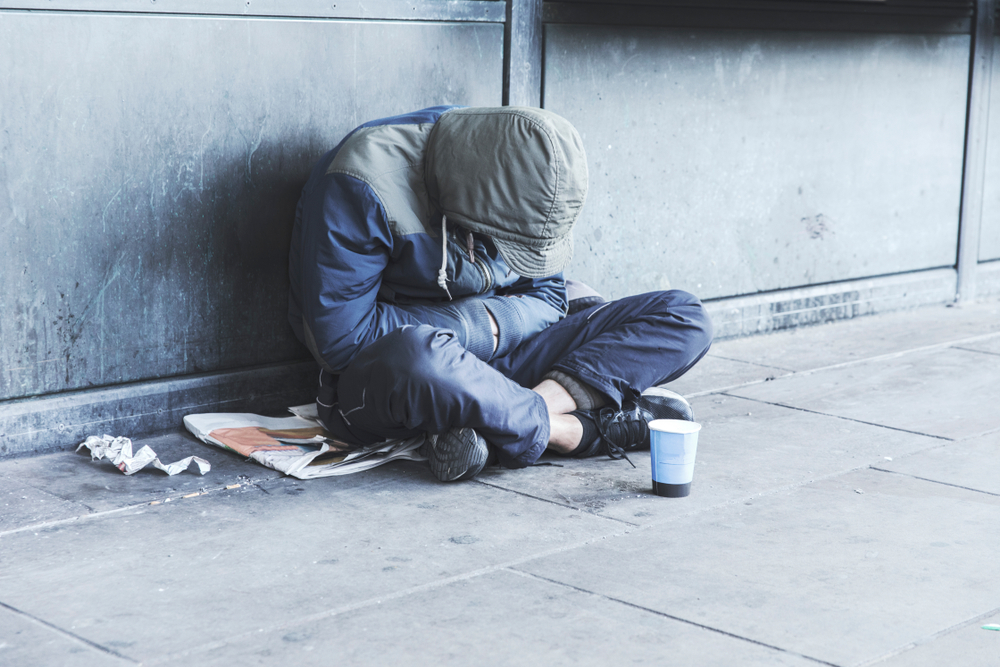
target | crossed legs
[{"x": 420, "y": 379}]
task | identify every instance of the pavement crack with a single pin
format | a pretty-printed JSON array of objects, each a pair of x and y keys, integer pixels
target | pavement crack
[
  {"x": 940, "y": 633},
  {"x": 66, "y": 633},
  {"x": 936, "y": 481},
  {"x": 846, "y": 364},
  {"x": 753, "y": 363},
  {"x": 900, "y": 353},
  {"x": 672, "y": 617},
  {"x": 118, "y": 510},
  {"x": 72, "y": 519},
  {"x": 979, "y": 435},
  {"x": 557, "y": 504},
  {"x": 827, "y": 414},
  {"x": 378, "y": 600},
  {"x": 969, "y": 349}
]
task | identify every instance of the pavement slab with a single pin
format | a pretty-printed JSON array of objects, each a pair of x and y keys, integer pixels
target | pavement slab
[
  {"x": 499, "y": 618},
  {"x": 989, "y": 345},
  {"x": 812, "y": 347},
  {"x": 63, "y": 485},
  {"x": 969, "y": 646},
  {"x": 200, "y": 569},
  {"x": 25, "y": 642},
  {"x": 971, "y": 464},
  {"x": 713, "y": 373},
  {"x": 843, "y": 512},
  {"x": 745, "y": 449},
  {"x": 945, "y": 392},
  {"x": 25, "y": 505},
  {"x": 842, "y": 570}
]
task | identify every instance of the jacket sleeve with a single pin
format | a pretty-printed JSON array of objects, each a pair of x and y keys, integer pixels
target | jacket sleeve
[
  {"x": 521, "y": 312},
  {"x": 526, "y": 308},
  {"x": 343, "y": 246}
]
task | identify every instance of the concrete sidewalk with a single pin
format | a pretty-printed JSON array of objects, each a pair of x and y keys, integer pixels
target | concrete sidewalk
[{"x": 845, "y": 511}]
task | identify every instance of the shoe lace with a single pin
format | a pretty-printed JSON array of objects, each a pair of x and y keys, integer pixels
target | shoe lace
[{"x": 620, "y": 429}]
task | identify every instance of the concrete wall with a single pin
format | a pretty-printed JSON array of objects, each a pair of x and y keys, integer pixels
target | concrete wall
[
  {"x": 785, "y": 166},
  {"x": 735, "y": 162},
  {"x": 149, "y": 170}
]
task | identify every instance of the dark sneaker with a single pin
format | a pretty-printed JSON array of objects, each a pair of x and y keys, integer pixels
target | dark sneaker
[
  {"x": 625, "y": 430},
  {"x": 456, "y": 455},
  {"x": 664, "y": 404}
]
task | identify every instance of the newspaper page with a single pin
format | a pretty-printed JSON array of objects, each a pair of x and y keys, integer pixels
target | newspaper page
[
  {"x": 298, "y": 446},
  {"x": 118, "y": 450}
]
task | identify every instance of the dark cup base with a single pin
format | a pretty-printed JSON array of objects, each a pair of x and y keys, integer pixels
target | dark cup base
[{"x": 671, "y": 490}]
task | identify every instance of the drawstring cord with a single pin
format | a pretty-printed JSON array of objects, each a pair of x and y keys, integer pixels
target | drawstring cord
[{"x": 443, "y": 273}]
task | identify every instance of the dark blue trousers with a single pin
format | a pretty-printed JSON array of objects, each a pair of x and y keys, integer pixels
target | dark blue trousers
[{"x": 419, "y": 379}]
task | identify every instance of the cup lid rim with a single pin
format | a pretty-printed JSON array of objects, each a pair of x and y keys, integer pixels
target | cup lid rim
[{"x": 674, "y": 426}]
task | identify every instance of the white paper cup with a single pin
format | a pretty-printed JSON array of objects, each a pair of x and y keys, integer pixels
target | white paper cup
[{"x": 673, "y": 444}]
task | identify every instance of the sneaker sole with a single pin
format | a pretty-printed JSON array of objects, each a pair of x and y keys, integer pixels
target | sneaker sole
[
  {"x": 454, "y": 459},
  {"x": 671, "y": 406}
]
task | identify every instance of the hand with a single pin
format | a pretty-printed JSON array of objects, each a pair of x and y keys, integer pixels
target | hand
[{"x": 495, "y": 329}]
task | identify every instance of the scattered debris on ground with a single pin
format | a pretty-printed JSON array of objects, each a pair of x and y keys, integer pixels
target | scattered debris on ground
[{"x": 119, "y": 452}]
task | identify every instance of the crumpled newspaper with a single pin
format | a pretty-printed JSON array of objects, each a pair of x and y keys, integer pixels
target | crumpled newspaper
[{"x": 119, "y": 451}]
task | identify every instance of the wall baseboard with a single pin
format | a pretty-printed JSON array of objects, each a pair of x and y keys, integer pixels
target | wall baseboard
[
  {"x": 785, "y": 309},
  {"x": 47, "y": 423}
]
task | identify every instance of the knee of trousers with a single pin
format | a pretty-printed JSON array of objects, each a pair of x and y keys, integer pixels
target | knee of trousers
[
  {"x": 422, "y": 354},
  {"x": 687, "y": 310}
]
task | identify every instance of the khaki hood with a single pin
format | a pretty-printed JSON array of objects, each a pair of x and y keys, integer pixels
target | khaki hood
[{"x": 516, "y": 174}]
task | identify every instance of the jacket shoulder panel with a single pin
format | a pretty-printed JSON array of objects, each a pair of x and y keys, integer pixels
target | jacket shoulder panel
[{"x": 390, "y": 160}]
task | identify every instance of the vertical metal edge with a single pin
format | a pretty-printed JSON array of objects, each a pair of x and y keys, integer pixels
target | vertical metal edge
[
  {"x": 523, "y": 53},
  {"x": 541, "y": 67},
  {"x": 507, "y": 30},
  {"x": 974, "y": 169}
]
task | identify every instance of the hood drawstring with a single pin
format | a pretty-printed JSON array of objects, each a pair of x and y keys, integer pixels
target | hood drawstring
[{"x": 443, "y": 273}]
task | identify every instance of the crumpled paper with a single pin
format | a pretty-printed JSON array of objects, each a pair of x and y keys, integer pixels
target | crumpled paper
[{"x": 119, "y": 452}]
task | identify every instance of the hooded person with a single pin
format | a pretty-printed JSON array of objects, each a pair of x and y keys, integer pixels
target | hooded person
[{"x": 426, "y": 261}]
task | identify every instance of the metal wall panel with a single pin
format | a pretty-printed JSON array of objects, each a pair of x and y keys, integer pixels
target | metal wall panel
[
  {"x": 491, "y": 11},
  {"x": 149, "y": 169},
  {"x": 736, "y": 162},
  {"x": 989, "y": 238}
]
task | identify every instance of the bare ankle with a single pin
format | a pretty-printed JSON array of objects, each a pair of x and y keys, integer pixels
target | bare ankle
[{"x": 565, "y": 433}]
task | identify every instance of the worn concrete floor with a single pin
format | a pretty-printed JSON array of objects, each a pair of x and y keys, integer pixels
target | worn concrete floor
[{"x": 845, "y": 511}]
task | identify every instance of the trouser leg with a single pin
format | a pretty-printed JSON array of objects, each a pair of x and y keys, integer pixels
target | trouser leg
[
  {"x": 421, "y": 380},
  {"x": 619, "y": 348}
]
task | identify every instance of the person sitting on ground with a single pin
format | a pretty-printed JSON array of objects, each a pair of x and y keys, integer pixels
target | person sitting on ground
[{"x": 425, "y": 269}]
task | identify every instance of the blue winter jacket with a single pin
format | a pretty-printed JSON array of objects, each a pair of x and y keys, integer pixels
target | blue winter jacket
[{"x": 367, "y": 248}]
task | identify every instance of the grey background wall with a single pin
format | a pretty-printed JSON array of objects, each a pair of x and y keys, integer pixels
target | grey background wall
[
  {"x": 151, "y": 167},
  {"x": 735, "y": 162},
  {"x": 989, "y": 244},
  {"x": 788, "y": 166}
]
